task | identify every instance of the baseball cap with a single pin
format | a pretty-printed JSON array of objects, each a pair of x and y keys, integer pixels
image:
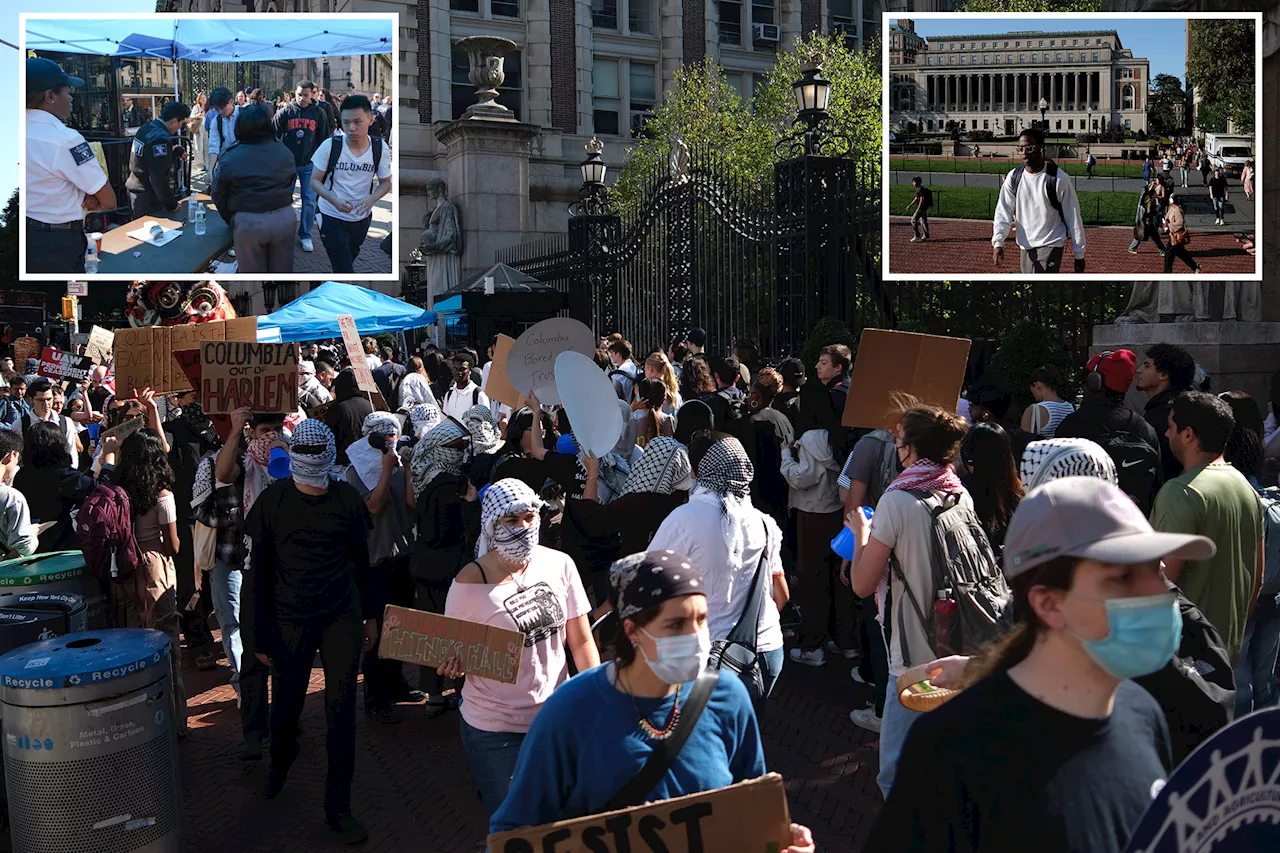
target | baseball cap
[
  {"x": 1091, "y": 519},
  {"x": 45, "y": 74},
  {"x": 1117, "y": 369},
  {"x": 697, "y": 337}
]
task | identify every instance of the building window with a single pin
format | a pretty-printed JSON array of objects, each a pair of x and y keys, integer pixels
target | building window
[
  {"x": 1046, "y": 57},
  {"x": 984, "y": 45},
  {"x": 962, "y": 46},
  {"x": 737, "y": 80},
  {"x": 1033, "y": 59},
  {"x": 1127, "y": 124},
  {"x": 644, "y": 93},
  {"x": 986, "y": 124},
  {"x": 607, "y": 100},
  {"x": 640, "y": 16},
  {"x": 762, "y": 12},
  {"x": 963, "y": 59},
  {"x": 1022, "y": 57},
  {"x": 604, "y": 14},
  {"x": 953, "y": 61},
  {"x": 870, "y": 20},
  {"x": 930, "y": 60},
  {"x": 1006, "y": 44},
  {"x": 730, "y": 22},
  {"x": 510, "y": 93},
  {"x": 1015, "y": 44},
  {"x": 1039, "y": 45},
  {"x": 1009, "y": 59},
  {"x": 1071, "y": 124},
  {"x": 1071, "y": 57},
  {"x": 1075, "y": 42},
  {"x": 1050, "y": 42},
  {"x": 842, "y": 15},
  {"x": 986, "y": 59},
  {"x": 1095, "y": 56},
  {"x": 464, "y": 5},
  {"x": 997, "y": 59},
  {"x": 1059, "y": 126},
  {"x": 505, "y": 8},
  {"x": 1057, "y": 57}
]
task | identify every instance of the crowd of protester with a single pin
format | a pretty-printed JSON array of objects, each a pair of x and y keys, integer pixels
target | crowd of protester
[{"x": 1118, "y": 603}]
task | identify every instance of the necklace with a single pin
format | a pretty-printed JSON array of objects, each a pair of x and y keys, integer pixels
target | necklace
[{"x": 647, "y": 728}]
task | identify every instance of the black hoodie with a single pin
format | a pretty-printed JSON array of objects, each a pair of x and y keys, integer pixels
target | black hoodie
[
  {"x": 347, "y": 413},
  {"x": 302, "y": 129}
]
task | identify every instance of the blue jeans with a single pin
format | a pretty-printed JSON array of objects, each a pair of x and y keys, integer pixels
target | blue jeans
[
  {"x": 1219, "y": 208},
  {"x": 895, "y": 724},
  {"x": 492, "y": 757},
  {"x": 1256, "y": 686},
  {"x": 225, "y": 581},
  {"x": 308, "y": 218}
]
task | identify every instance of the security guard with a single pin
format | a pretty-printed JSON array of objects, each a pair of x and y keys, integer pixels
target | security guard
[
  {"x": 63, "y": 177},
  {"x": 150, "y": 182}
]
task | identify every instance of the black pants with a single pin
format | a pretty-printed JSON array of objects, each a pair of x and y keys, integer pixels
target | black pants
[
  {"x": 1178, "y": 250},
  {"x": 254, "y": 707},
  {"x": 874, "y": 666},
  {"x": 342, "y": 240},
  {"x": 143, "y": 203},
  {"x": 389, "y": 583},
  {"x": 339, "y": 645},
  {"x": 56, "y": 251}
]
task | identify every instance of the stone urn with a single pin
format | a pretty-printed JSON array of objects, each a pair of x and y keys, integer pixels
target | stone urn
[{"x": 485, "y": 54}]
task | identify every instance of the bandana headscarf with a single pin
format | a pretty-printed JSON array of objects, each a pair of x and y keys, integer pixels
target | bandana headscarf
[
  {"x": 663, "y": 468},
  {"x": 312, "y": 469},
  {"x": 431, "y": 458},
  {"x": 652, "y": 577},
  {"x": 503, "y": 498},
  {"x": 423, "y": 417},
  {"x": 1054, "y": 458},
  {"x": 484, "y": 435},
  {"x": 365, "y": 458}
]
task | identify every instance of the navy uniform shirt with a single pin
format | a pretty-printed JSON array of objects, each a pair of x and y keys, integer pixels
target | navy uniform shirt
[{"x": 151, "y": 162}]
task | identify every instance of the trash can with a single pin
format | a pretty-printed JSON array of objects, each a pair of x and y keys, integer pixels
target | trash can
[
  {"x": 59, "y": 613},
  {"x": 90, "y": 747},
  {"x": 59, "y": 571}
]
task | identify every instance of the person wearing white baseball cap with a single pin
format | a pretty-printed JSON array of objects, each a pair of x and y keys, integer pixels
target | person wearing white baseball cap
[{"x": 1054, "y": 742}]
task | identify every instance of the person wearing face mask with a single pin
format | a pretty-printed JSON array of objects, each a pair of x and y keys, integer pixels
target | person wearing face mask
[
  {"x": 656, "y": 688},
  {"x": 1053, "y": 707},
  {"x": 517, "y": 584}
]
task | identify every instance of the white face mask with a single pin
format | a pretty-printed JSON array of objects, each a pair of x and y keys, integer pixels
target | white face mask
[{"x": 680, "y": 658}]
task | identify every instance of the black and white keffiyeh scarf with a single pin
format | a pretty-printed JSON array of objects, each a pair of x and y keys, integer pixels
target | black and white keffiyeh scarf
[
  {"x": 312, "y": 453},
  {"x": 432, "y": 457},
  {"x": 662, "y": 469},
  {"x": 1055, "y": 458},
  {"x": 484, "y": 433},
  {"x": 503, "y": 498}
]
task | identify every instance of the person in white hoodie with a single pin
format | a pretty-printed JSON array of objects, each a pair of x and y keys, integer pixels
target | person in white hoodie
[{"x": 811, "y": 470}]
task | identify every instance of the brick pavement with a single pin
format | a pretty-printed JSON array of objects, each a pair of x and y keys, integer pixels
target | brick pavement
[
  {"x": 413, "y": 791},
  {"x": 963, "y": 246}
]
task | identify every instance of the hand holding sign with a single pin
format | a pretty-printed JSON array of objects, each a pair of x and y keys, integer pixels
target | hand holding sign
[{"x": 531, "y": 362}]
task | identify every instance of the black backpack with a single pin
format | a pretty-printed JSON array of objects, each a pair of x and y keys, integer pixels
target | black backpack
[
  {"x": 1050, "y": 188},
  {"x": 335, "y": 153},
  {"x": 621, "y": 379},
  {"x": 963, "y": 563},
  {"x": 1137, "y": 464}
]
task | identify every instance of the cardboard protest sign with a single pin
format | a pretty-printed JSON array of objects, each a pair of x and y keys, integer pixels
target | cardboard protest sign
[
  {"x": 145, "y": 356},
  {"x": 355, "y": 352},
  {"x": 263, "y": 377},
  {"x": 531, "y": 363},
  {"x": 122, "y": 431},
  {"x": 498, "y": 386},
  {"x": 750, "y": 816},
  {"x": 1223, "y": 796},
  {"x": 100, "y": 344},
  {"x": 24, "y": 348},
  {"x": 58, "y": 365},
  {"x": 429, "y": 639},
  {"x": 929, "y": 367}
]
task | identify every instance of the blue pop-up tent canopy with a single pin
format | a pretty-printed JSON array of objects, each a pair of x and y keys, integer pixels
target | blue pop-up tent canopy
[
  {"x": 314, "y": 316},
  {"x": 174, "y": 37}
]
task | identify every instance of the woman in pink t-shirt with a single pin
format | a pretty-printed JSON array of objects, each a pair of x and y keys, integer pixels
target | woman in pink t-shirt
[{"x": 516, "y": 584}]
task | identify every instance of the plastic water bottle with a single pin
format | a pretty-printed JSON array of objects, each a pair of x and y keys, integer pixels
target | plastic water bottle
[
  {"x": 191, "y": 211},
  {"x": 200, "y": 221},
  {"x": 91, "y": 258}
]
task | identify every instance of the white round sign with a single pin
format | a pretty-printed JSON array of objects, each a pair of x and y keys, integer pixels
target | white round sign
[{"x": 590, "y": 401}]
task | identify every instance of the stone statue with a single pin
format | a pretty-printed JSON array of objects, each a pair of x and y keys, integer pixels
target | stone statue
[
  {"x": 440, "y": 247},
  {"x": 1270, "y": 13},
  {"x": 1193, "y": 302}
]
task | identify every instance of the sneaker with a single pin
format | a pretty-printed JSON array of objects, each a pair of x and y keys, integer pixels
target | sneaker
[
  {"x": 408, "y": 694},
  {"x": 816, "y": 657},
  {"x": 1197, "y": 270},
  {"x": 914, "y": 240},
  {"x": 1162, "y": 253},
  {"x": 349, "y": 828},
  {"x": 866, "y": 719},
  {"x": 857, "y": 676},
  {"x": 847, "y": 654},
  {"x": 1133, "y": 251},
  {"x": 307, "y": 245}
]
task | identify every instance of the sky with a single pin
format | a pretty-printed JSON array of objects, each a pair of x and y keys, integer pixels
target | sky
[
  {"x": 9, "y": 31},
  {"x": 1162, "y": 42}
]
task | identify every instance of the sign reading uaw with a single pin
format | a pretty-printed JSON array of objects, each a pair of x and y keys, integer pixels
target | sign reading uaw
[{"x": 1224, "y": 797}]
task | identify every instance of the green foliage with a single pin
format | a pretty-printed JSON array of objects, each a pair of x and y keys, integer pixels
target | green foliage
[
  {"x": 1161, "y": 115},
  {"x": 1220, "y": 65},
  {"x": 704, "y": 108},
  {"x": 1024, "y": 348},
  {"x": 828, "y": 331},
  {"x": 9, "y": 230},
  {"x": 1029, "y": 6}
]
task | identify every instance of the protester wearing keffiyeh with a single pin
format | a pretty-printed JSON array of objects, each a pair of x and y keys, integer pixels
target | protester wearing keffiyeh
[
  {"x": 663, "y": 469},
  {"x": 423, "y": 417},
  {"x": 309, "y": 467},
  {"x": 501, "y": 499},
  {"x": 432, "y": 455},
  {"x": 484, "y": 434},
  {"x": 367, "y": 459},
  {"x": 1054, "y": 458},
  {"x": 724, "y": 479},
  {"x": 256, "y": 479}
]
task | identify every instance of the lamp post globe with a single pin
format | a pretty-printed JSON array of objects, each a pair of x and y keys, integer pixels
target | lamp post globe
[{"x": 1044, "y": 107}]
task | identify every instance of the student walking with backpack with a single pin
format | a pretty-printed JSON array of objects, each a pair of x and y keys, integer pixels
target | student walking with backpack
[
  {"x": 1042, "y": 201},
  {"x": 923, "y": 507},
  {"x": 345, "y": 172},
  {"x": 663, "y": 724},
  {"x": 920, "y": 216},
  {"x": 302, "y": 125}
]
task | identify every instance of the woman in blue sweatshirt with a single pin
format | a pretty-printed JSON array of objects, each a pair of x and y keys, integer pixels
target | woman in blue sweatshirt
[{"x": 597, "y": 730}]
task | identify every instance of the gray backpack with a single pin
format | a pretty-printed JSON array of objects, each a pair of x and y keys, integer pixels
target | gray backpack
[{"x": 963, "y": 563}]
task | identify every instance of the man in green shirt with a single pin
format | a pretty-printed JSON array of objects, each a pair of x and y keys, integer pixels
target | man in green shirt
[{"x": 1212, "y": 499}]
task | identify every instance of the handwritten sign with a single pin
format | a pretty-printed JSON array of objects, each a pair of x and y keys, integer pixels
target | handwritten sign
[
  {"x": 56, "y": 364},
  {"x": 928, "y": 367},
  {"x": 262, "y": 377},
  {"x": 750, "y": 816},
  {"x": 531, "y": 363},
  {"x": 145, "y": 357},
  {"x": 24, "y": 348},
  {"x": 355, "y": 352},
  {"x": 123, "y": 430},
  {"x": 429, "y": 639},
  {"x": 498, "y": 386}
]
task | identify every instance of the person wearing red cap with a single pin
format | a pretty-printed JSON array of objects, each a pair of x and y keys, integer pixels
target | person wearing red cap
[{"x": 1129, "y": 440}]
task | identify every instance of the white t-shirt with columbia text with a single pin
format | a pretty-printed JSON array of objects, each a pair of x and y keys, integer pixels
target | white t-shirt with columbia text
[{"x": 353, "y": 176}]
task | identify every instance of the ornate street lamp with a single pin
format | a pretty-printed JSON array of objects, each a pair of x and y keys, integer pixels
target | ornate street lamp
[
  {"x": 243, "y": 303},
  {"x": 414, "y": 272},
  {"x": 269, "y": 295},
  {"x": 813, "y": 94},
  {"x": 594, "y": 198},
  {"x": 1044, "y": 107}
]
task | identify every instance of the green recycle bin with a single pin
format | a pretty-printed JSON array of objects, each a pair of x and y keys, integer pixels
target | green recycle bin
[{"x": 58, "y": 571}]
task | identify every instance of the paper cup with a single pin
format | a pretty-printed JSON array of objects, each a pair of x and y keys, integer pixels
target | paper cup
[
  {"x": 96, "y": 237},
  {"x": 917, "y": 694}
]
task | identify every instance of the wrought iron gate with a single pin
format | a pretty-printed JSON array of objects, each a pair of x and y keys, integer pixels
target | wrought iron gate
[{"x": 711, "y": 247}]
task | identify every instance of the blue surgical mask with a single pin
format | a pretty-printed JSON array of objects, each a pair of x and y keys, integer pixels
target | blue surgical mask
[{"x": 1143, "y": 635}]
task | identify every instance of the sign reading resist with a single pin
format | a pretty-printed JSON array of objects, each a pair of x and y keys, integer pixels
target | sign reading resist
[
  {"x": 263, "y": 377},
  {"x": 531, "y": 364}
]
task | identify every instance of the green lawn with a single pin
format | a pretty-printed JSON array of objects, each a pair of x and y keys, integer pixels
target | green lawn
[
  {"x": 1001, "y": 166},
  {"x": 1102, "y": 208}
]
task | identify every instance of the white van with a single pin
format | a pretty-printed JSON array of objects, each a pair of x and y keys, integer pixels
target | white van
[{"x": 1228, "y": 153}]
